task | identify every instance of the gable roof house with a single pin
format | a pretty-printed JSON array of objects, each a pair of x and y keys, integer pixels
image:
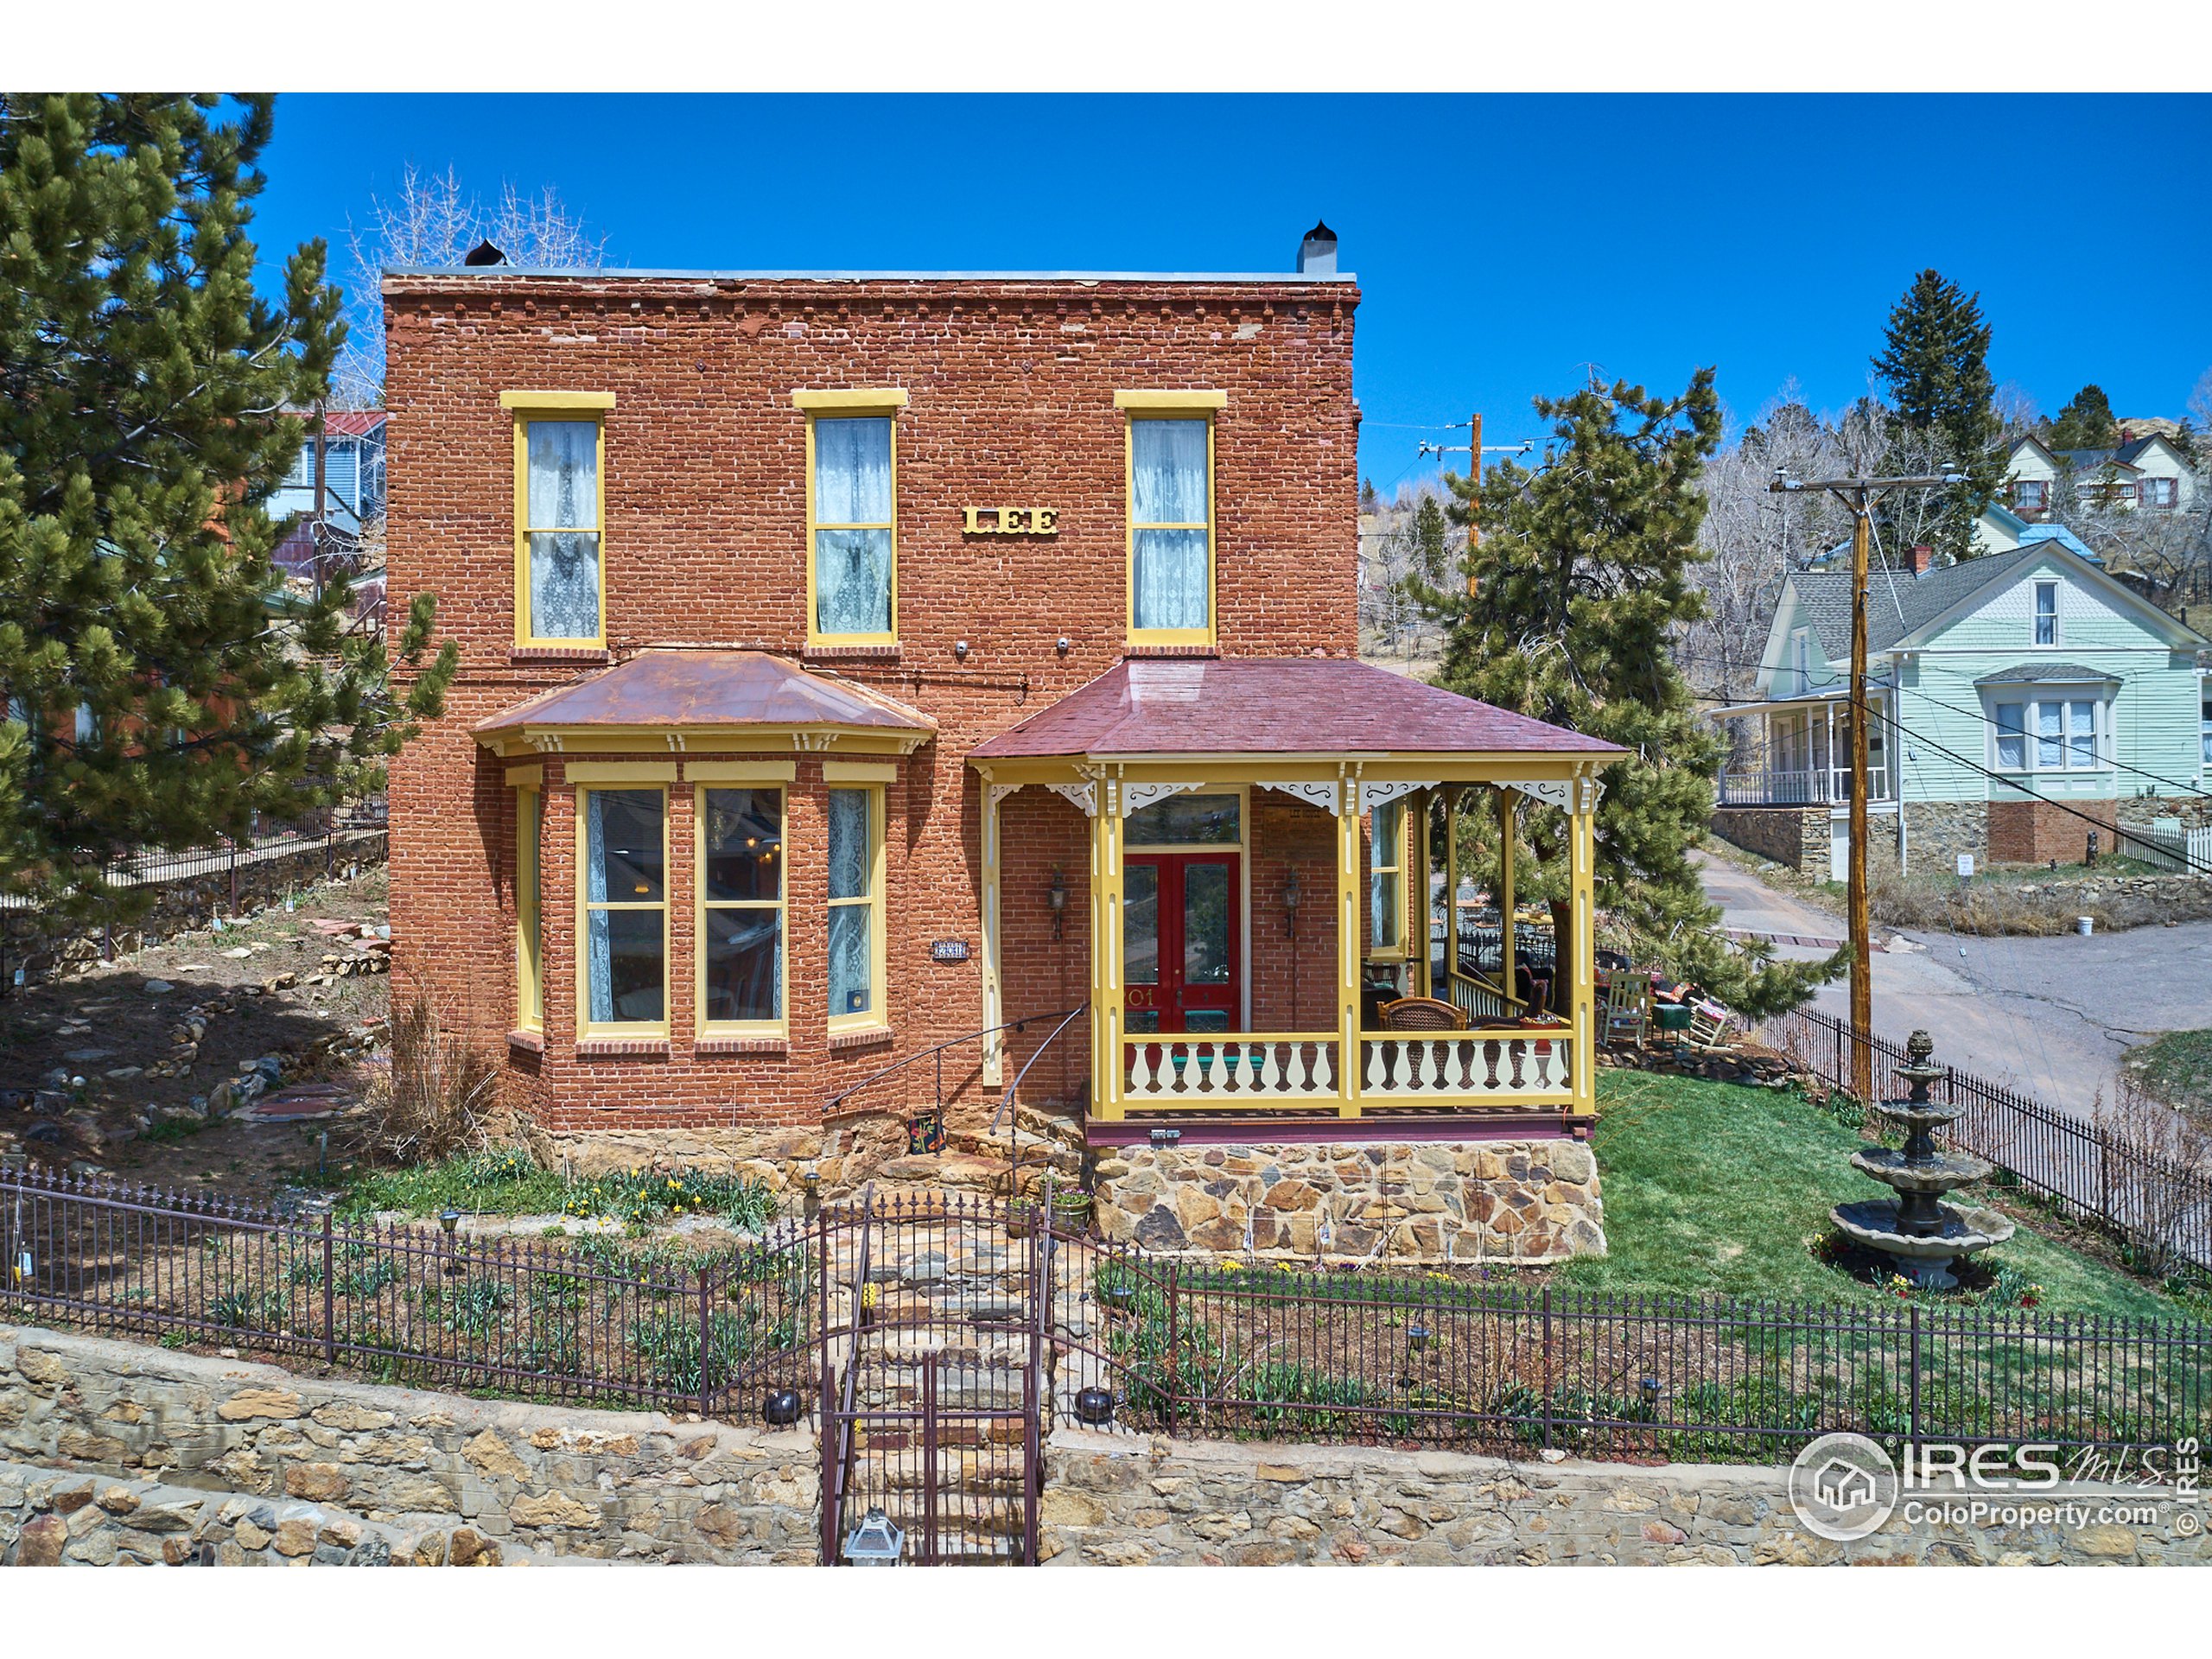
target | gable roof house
[
  {"x": 881, "y": 692},
  {"x": 2146, "y": 472},
  {"x": 2012, "y": 696}
]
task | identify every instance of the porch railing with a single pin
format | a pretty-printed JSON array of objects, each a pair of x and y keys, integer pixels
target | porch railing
[
  {"x": 1260, "y": 1071},
  {"x": 1818, "y": 786}
]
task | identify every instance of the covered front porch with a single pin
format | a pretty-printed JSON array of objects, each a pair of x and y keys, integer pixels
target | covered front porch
[{"x": 1282, "y": 942}]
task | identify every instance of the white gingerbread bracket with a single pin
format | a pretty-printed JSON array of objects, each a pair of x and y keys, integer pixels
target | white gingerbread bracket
[
  {"x": 999, "y": 792},
  {"x": 1552, "y": 791},
  {"x": 1374, "y": 795},
  {"x": 1083, "y": 795},
  {"x": 1136, "y": 797},
  {"x": 1322, "y": 792}
]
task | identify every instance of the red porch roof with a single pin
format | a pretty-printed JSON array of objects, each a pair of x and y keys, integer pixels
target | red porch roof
[
  {"x": 1274, "y": 705},
  {"x": 708, "y": 689}
]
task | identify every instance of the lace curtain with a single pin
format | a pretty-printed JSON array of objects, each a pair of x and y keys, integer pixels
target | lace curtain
[
  {"x": 1167, "y": 467},
  {"x": 563, "y": 507},
  {"x": 852, "y": 488},
  {"x": 851, "y": 924}
]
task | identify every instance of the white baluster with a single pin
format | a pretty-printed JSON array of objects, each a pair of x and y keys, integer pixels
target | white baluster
[
  {"x": 1270, "y": 1070},
  {"x": 1325, "y": 1066},
  {"x": 1372, "y": 1080}
]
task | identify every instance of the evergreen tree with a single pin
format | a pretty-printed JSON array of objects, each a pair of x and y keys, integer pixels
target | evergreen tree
[
  {"x": 1432, "y": 562},
  {"x": 1580, "y": 582},
  {"x": 2085, "y": 423},
  {"x": 162, "y": 683},
  {"x": 1935, "y": 365}
]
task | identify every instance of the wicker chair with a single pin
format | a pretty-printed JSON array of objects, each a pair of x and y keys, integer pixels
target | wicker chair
[{"x": 1422, "y": 1013}]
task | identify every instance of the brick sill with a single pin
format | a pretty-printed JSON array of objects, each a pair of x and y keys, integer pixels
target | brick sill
[
  {"x": 602, "y": 1048},
  {"x": 557, "y": 654},
  {"x": 777, "y": 1045},
  {"x": 531, "y": 1042},
  {"x": 869, "y": 1039},
  {"x": 1204, "y": 653},
  {"x": 850, "y": 654}
]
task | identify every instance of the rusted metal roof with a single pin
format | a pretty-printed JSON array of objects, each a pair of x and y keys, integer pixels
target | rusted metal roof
[
  {"x": 1274, "y": 705},
  {"x": 696, "y": 689}
]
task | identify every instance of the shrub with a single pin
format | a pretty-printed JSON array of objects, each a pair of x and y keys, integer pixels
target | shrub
[{"x": 441, "y": 1092}]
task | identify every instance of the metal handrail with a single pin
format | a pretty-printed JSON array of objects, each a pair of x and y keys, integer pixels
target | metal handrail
[
  {"x": 876, "y": 1076},
  {"x": 1012, "y": 1103}
]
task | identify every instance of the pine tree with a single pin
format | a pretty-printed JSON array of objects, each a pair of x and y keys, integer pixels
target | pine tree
[
  {"x": 1935, "y": 365},
  {"x": 1431, "y": 560},
  {"x": 1580, "y": 582},
  {"x": 2085, "y": 423},
  {"x": 162, "y": 683}
]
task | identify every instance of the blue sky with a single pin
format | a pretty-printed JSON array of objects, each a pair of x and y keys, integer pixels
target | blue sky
[{"x": 1501, "y": 242}]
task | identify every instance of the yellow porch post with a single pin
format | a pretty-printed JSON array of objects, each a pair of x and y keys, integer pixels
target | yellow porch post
[
  {"x": 1582, "y": 871},
  {"x": 1419, "y": 908},
  {"x": 1507, "y": 938},
  {"x": 1106, "y": 951},
  {"x": 1348, "y": 946},
  {"x": 994, "y": 1001}
]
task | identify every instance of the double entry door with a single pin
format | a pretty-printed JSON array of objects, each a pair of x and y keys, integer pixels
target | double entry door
[{"x": 1181, "y": 949}]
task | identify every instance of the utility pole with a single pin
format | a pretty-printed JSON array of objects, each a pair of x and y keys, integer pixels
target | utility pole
[
  {"x": 1474, "y": 448},
  {"x": 1860, "y": 494}
]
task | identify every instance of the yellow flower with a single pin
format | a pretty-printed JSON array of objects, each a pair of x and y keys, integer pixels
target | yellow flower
[{"x": 1232, "y": 1267}]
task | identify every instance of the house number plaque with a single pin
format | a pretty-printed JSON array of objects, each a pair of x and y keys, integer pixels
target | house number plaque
[
  {"x": 1012, "y": 521},
  {"x": 949, "y": 951}
]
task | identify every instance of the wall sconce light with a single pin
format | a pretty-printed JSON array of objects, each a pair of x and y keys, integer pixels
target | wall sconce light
[
  {"x": 960, "y": 649},
  {"x": 1291, "y": 895},
  {"x": 1056, "y": 896}
]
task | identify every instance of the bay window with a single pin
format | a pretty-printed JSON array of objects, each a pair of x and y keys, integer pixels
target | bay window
[
  {"x": 623, "y": 984},
  {"x": 2055, "y": 732},
  {"x": 740, "y": 922},
  {"x": 857, "y": 954}
]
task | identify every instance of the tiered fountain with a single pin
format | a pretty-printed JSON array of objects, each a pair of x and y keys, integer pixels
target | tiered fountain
[{"x": 1917, "y": 1230}]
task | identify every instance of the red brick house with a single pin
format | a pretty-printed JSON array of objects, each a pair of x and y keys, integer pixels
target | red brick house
[{"x": 854, "y": 663}]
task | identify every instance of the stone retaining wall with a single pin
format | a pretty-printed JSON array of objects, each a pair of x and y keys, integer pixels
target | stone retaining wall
[
  {"x": 1795, "y": 836},
  {"x": 1524, "y": 1201},
  {"x": 1120, "y": 1501},
  {"x": 407, "y": 1466}
]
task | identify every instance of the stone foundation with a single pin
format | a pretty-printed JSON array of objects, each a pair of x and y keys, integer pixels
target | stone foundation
[
  {"x": 1796, "y": 836},
  {"x": 1504, "y": 1201}
]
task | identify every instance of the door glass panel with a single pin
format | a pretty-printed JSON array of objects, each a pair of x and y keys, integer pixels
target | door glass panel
[
  {"x": 1206, "y": 1019},
  {"x": 1206, "y": 925},
  {"x": 1182, "y": 820},
  {"x": 1141, "y": 1019},
  {"x": 1140, "y": 927}
]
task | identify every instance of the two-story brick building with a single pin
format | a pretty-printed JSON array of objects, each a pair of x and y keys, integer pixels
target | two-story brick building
[{"x": 854, "y": 663}]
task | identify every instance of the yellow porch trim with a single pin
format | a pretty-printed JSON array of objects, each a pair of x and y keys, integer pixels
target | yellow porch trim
[
  {"x": 741, "y": 772},
  {"x": 704, "y": 739},
  {"x": 621, "y": 771}
]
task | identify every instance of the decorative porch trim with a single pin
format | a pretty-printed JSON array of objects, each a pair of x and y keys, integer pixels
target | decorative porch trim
[
  {"x": 1319, "y": 792},
  {"x": 1577, "y": 795},
  {"x": 1374, "y": 795},
  {"x": 622, "y": 772},
  {"x": 1083, "y": 796},
  {"x": 999, "y": 792},
  {"x": 741, "y": 772},
  {"x": 1137, "y": 796}
]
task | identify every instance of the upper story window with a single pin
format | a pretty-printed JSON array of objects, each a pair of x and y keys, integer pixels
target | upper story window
[
  {"x": 2160, "y": 491},
  {"x": 2030, "y": 494},
  {"x": 1171, "y": 516},
  {"x": 852, "y": 514},
  {"x": 560, "y": 512},
  {"x": 2046, "y": 612}
]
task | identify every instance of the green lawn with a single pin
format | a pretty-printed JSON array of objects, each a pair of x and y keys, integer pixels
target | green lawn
[
  {"x": 2177, "y": 1067},
  {"x": 1715, "y": 1190}
]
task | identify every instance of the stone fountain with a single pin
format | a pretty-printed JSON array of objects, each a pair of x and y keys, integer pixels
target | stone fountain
[{"x": 1917, "y": 1230}]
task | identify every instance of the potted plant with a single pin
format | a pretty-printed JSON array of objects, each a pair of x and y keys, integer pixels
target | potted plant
[
  {"x": 1071, "y": 1210},
  {"x": 1021, "y": 1216}
]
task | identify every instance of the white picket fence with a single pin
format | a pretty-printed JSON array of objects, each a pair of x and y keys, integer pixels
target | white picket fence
[{"x": 2169, "y": 844}]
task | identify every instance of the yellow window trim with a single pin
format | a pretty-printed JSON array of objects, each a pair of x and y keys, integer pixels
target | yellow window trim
[
  {"x": 625, "y": 1030},
  {"x": 741, "y": 772},
  {"x": 565, "y": 405},
  {"x": 526, "y": 777},
  {"x": 557, "y": 400},
  {"x": 622, "y": 772},
  {"x": 858, "y": 410},
  {"x": 701, "y": 904},
  {"x": 863, "y": 400},
  {"x": 859, "y": 772},
  {"x": 878, "y": 1016},
  {"x": 1171, "y": 402},
  {"x": 530, "y": 965},
  {"x": 1397, "y": 867},
  {"x": 1154, "y": 411}
]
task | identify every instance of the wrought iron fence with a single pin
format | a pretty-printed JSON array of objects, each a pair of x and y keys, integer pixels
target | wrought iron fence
[
  {"x": 2161, "y": 1207},
  {"x": 930, "y": 1327}
]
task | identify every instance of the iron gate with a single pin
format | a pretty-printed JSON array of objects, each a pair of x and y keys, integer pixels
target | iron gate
[{"x": 934, "y": 1318}]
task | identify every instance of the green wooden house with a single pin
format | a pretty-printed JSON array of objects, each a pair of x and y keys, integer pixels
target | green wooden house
[{"x": 2019, "y": 702}]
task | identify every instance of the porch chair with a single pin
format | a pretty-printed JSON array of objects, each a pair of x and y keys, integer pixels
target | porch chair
[
  {"x": 1422, "y": 1013},
  {"x": 1709, "y": 1023},
  {"x": 1628, "y": 1006}
]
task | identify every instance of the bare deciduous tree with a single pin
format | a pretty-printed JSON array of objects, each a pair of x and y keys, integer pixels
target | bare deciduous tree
[{"x": 434, "y": 221}]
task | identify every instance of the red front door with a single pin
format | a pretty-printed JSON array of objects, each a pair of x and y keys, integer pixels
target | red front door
[{"x": 1182, "y": 957}]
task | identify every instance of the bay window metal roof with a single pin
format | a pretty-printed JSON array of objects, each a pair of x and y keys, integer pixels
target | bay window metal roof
[{"x": 705, "y": 689}]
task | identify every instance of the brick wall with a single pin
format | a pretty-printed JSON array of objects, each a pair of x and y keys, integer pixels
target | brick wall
[
  {"x": 2034, "y": 832},
  {"x": 1011, "y": 400}
]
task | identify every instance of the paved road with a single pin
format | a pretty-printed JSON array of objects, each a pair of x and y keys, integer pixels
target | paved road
[{"x": 2050, "y": 1016}]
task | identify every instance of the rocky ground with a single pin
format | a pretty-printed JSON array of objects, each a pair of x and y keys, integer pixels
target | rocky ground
[{"x": 219, "y": 1058}]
